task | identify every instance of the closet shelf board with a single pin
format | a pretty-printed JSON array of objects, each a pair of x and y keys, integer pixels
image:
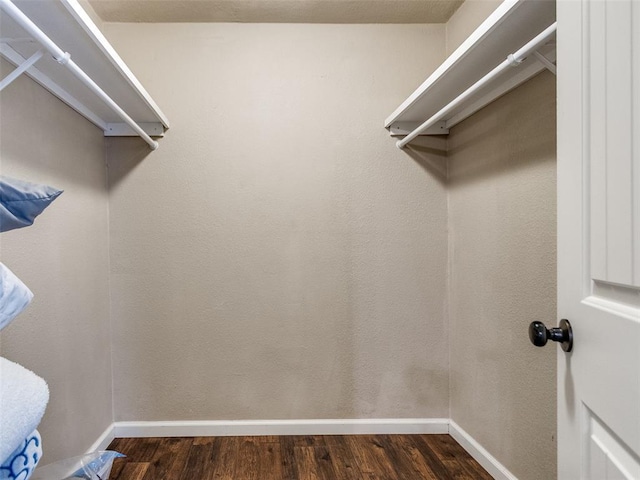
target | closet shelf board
[
  {"x": 507, "y": 29},
  {"x": 70, "y": 27}
]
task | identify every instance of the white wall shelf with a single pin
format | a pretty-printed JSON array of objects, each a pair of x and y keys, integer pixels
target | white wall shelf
[
  {"x": 470, "y": 79},
  {"x": 120, "y": 105}
]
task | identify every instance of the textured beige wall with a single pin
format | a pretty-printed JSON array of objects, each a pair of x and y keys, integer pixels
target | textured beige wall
[
  {"x": 466, "y": 19},
  {"x": 277, "y": 257},
  {"x": 64, "y": 335},
  {"x": 502, "y": 221}
]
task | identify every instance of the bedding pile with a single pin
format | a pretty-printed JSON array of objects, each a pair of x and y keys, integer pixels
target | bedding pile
[
  {"x": 23, "y": 394},
  {"x": 22, "y": 462},
  {"x": 14, "y": 296}
]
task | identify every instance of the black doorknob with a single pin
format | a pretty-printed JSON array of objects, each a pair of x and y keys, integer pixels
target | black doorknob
[{"x": 539, "y": 334}]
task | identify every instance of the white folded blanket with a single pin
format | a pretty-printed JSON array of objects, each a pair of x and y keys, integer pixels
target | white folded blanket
[
  {"x": 23, "y": 399},
  {"x": 14, "y": 296}
]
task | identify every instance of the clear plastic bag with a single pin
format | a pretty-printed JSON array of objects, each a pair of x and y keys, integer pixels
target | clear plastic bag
[{"x": 92, "y": 466}]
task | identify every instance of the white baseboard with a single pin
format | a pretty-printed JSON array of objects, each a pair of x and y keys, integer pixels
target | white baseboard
[
  {"x": 103, "y": 440},
  {"x": 484, "y": 458},
  {"x": 280, "y": 427},
  {"x": 220, "y": 428}
]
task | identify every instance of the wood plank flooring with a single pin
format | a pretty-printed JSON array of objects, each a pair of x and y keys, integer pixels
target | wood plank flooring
[{"x": 328, "y": 457}]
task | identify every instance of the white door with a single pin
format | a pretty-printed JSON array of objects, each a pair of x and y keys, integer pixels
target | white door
[{"x": 599, "y": 238}]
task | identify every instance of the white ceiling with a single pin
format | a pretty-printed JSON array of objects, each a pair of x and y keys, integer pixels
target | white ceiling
[{"x": 277, "y": 11}]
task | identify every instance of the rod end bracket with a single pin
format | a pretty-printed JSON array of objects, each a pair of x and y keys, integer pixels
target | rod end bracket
[
  {"x": 64, "y": 59},
  {"x": 513, "y": 61}
]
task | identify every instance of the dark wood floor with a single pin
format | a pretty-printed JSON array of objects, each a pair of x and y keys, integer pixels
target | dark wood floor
[{"x": 352, "y": 457}]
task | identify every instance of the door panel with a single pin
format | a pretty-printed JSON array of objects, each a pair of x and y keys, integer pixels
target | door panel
[
  {"x": 609, "y": 54},
  {"x": 598, "y": 238},
  {"x": 609, "y": 458}
]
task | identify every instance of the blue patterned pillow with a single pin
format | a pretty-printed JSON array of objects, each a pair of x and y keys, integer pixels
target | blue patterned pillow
[
  {"x": 21, "y": 202},
  {"x": 21, "y": 464}
]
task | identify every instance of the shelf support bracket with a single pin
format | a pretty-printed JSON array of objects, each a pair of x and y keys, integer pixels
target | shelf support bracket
[
  {"x": 15, "y": 58},
  {"x": 20, "y": 69},
  {"x": 545, "y": 61}
]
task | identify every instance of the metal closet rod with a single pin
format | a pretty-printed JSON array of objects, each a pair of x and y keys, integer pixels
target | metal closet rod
[
  {"x": 64, "y": 58},
  {"x": 512, "y": 60}
]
